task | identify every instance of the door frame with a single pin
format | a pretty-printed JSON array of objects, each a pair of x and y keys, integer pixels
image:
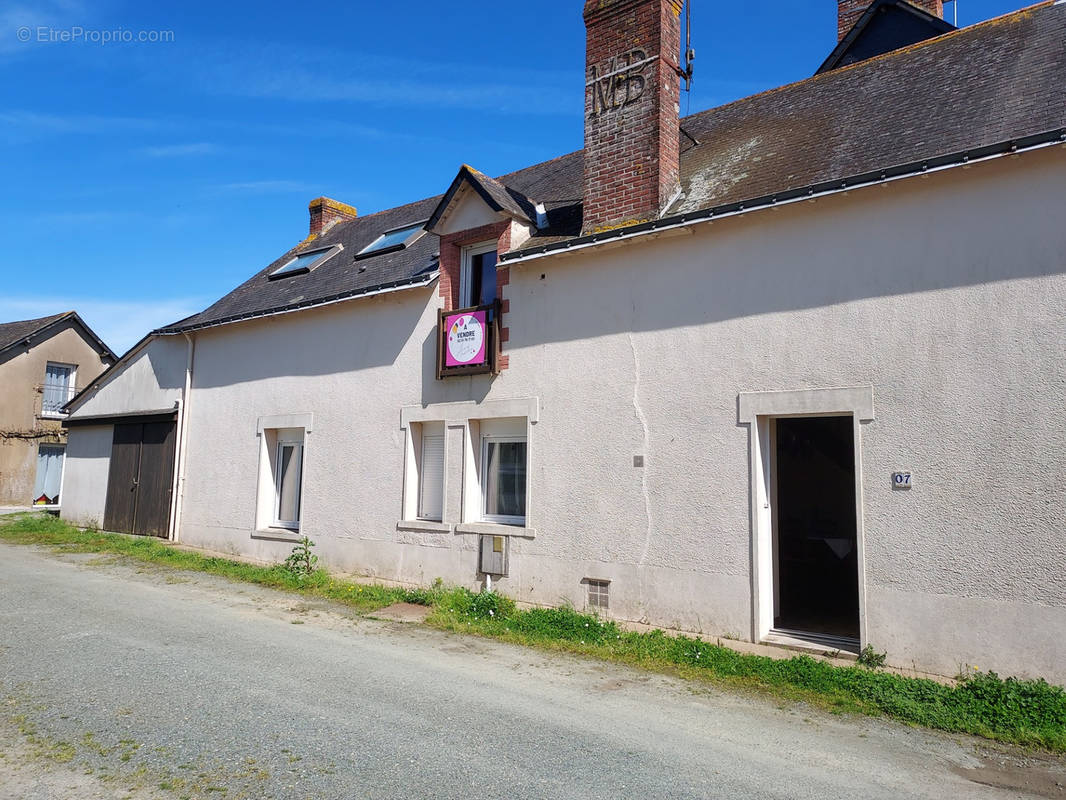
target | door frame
[{"x": 755, "y": 410}]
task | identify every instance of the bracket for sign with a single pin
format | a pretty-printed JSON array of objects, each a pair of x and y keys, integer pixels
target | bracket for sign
[{"x": 492, "y": 343}]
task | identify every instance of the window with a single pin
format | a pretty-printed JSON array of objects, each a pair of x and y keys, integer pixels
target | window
[
  {"x": 49, "y": 474},
  {"x": 304, "y": 262},
  {"x": 503, "y": 479},
  {"x": 477, "y": 280},
  {"x": 395, "y": 239},
  {"x": 431, "y": 475},
  {"x": 598, "y": 593},
  {"x": 58, "y": 388},
  {"x": 288, "y": 479}
]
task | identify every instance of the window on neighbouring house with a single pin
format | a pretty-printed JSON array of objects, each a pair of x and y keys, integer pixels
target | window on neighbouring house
[
  {"x": 58, "y": 388},
  {"x": 49, "y": 474},
  {"x": 396, "y": 238},
  {"x": 477, "y": 280},
  {"x": 503, "y": 479},
  {"x": 304, "y": 262},
  {"x": 288, "y": 479},
  {"x": 431, "y": 475}
]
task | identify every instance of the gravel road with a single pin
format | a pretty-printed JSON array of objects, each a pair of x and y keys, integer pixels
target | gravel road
[{"x": 126, "y": 681}]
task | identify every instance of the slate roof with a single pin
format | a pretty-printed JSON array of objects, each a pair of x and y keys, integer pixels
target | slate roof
[
  {"x": 998, "y": 81},
  {"x": 879, "y": 29},
  {"x": 12, "y": 334},
  {"x": 496, "y": 195}
]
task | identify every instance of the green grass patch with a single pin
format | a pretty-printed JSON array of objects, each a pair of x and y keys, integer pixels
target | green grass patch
[
  {"x": 1027, "y": 712},
  {"x": 49, "y": 531}
]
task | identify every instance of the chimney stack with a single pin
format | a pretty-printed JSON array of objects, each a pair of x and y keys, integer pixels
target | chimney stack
[
  {"x": 849, "y": 11},
  {"x": 325, "y": 213},
  {"x": 632, "y": 102}
]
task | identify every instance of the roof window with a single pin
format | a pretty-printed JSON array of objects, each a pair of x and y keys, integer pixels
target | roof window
[
  {"x": 396, "y": 239},
  {"x": 304, "y": 262}
]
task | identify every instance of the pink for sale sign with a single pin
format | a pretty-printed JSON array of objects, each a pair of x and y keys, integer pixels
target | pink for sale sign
[{"x": 467, "y": 339}]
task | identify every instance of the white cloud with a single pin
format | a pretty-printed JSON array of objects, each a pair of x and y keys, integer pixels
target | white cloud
[
  {"x": 269, "y": 187},
  {"x": 120, "y": 323},
  {"x": 180, "y": 150}
]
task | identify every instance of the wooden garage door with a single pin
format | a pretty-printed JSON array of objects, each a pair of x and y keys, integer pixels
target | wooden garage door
[{"x": 140, "y": 479}]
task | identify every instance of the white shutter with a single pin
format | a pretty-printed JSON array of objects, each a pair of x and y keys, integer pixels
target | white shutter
[{"x": 431, "y": 478}]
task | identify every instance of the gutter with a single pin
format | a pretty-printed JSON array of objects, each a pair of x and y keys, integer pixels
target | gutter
[
  {"x": 383, "y": 288},
  {"x": 962, "y": 158},
  {"x": 178, "y": 489}
]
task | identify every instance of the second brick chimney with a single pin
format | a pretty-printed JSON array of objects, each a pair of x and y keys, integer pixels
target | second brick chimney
[
  {"x": 849, "y": 11},
  {"x": 325, "y": 213},
  {"x": 632, "y": 97}
]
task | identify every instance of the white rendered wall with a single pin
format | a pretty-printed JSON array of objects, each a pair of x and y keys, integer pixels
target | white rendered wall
[
  {"x": 85, "y": 474},
  {"x": 944, "y": 294},
  {"x": 152, "y": 380}
]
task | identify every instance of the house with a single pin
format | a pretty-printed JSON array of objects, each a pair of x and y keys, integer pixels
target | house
[
  {"x": 42, "y": 362},
  {"x": 788, "y": 370}
]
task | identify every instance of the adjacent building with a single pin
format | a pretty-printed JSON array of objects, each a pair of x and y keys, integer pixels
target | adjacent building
[
  {"x": 42, "y": 364},
  {"x": 786, "y": 370}
]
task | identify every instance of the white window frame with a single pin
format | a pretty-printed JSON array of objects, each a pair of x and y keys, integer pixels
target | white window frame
[
  {"x": 465, "y": 301},
  {"x": 70, "y": 387},
  {"x": 288, "y": 440},
  {"x": 501, "y": 519},
  {"x": 423, "y": 473}
]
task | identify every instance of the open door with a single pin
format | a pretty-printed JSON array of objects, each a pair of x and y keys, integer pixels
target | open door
[{"x": 816, "y": 571}]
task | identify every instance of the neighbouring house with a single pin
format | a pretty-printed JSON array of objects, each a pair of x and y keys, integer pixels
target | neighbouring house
[
  {"x": 42, "y": 363},
  {"x": 788, "y": 370}
]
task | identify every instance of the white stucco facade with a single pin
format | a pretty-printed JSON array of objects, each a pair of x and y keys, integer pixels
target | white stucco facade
[
  {"x": 932, "y": 306},
  {"x": 148, "y": 379}
]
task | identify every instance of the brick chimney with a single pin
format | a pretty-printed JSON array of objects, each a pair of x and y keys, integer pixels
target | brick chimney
[
  {"x": 849, "y": 11},
  {"x": 632, "y": 98},
  {"x": 325, "y": 213}
]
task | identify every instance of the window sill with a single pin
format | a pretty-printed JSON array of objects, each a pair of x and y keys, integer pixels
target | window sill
[
  {"x": 496, "y": 529},
  {"x": 51, "y": 415},
  {"x": 278, "y": 535},
  {"x": 425, "y": 525}
]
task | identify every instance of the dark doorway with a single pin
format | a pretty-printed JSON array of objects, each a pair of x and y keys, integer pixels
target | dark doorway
[
  {"x": 140, "y": 479},
  {"x": 816, "y": 557}
]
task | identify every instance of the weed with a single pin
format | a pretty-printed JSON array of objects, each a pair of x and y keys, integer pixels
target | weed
[
  {"x": 301, "y": 562},
  {"x": 869, "y": 657}
]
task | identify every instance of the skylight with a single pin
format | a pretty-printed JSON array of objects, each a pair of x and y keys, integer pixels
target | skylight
[
  {"x": 394, "y": 239},
  {"x": 303, "y": 263}
]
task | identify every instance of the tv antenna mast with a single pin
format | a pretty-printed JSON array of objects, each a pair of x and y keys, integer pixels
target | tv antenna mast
[{"x": 690, "y": 54}]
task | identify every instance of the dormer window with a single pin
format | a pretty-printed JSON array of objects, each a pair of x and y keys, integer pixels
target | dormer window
[
  {"x": 477, "y": 281},
  {"x": 305, "y": 262},
  {"x": 396, "y": 239}
]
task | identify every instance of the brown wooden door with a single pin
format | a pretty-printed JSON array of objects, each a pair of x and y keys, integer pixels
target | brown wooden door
[
  {"x": 155, "y": 487},
  {"x": 140, "y": 478}
]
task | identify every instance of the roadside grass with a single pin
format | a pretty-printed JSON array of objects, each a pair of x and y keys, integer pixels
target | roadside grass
[
  {"x": 48, "y": 531},
  {"x": 1026, "y": 712}
]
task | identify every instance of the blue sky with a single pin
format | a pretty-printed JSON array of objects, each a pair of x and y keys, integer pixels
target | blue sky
[{"x": 139, "y": 181}]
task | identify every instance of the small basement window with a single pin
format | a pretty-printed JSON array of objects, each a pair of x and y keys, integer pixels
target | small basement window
[
  {"x": 396, "y": 239},
  {"x": 304, "y": 262},
  {"x": 598, "y": 593}
]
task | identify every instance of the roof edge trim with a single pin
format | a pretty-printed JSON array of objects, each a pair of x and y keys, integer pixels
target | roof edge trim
[
  {"x": 383, "y": 288},
  {"x": 962, "y": 158}
]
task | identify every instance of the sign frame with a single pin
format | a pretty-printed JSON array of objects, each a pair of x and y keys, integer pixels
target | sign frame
[{"x": 490, "y": 366}]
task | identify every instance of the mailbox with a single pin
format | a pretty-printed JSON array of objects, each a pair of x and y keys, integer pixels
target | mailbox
[{"x": 494, "y": 555}]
